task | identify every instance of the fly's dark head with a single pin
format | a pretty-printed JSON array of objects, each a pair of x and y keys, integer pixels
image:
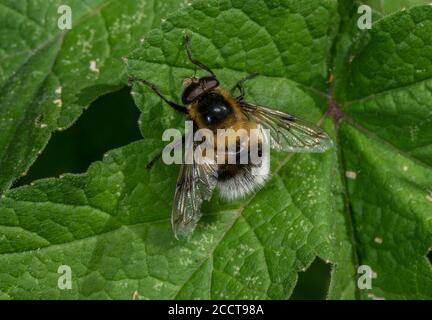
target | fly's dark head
[{"x": 195, "y": 87}]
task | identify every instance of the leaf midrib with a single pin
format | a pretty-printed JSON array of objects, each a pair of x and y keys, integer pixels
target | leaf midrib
[
  {"x": 384, "y": 92},
  {"x": 55, "y": 245},
  {"x": 373, "y": 136}
]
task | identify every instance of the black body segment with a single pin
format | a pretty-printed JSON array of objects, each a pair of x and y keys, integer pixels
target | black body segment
[{"x": 214, "y": 109}]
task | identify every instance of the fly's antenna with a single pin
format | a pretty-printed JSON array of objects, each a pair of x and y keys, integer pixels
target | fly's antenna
[
  {"x": 156, "y": 90},
  {"x": 186, "y": 43}
]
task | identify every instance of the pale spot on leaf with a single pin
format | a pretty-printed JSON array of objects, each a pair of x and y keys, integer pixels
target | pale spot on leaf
[
  {"x": 351, "y": 175},
  {"x": 58, "y": 102},
  {"x": 93, "y": 66},
  {"x": 378, "y": 240}
]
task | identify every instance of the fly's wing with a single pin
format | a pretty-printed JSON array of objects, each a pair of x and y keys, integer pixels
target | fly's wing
[
  {"x": 288, "y": 133},
  {"x": 195, "y": 184}
]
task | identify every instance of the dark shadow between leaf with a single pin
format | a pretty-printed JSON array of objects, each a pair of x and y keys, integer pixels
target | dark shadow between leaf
[
  {"x": 110, "y": 122},
  {"x": 429, "y": 256},
  {"x": 313, "y": 283}
]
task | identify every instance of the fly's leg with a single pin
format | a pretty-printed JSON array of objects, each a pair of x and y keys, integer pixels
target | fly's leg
[
  {"x": 155, "y": 89},
  {"x": 240, "y": 85},
  {"x": 186, "y": 42}
]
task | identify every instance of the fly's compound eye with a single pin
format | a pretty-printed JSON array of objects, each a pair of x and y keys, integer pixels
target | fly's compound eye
[{"x": 192, "y": 92}]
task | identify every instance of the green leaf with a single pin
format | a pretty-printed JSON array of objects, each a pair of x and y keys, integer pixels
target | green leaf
[
  {"x": 387, "y": 143},
  {"x": 48, "y": 76},
  {"x": 391, "y": 202},
  {"x": 389, "y": 89},
  {"x": 119, "y": 212},
  {"x": 365, "y": 202},
  {"x": 390, "y": 6}
]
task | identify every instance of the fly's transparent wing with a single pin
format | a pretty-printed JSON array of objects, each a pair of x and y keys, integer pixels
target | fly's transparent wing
[
  {"x": 288, "y": 133},
  {"x": 195, "y": 184}
]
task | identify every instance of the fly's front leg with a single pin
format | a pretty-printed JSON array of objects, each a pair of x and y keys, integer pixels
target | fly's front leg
[
  {"x": 156, "y": 90},
  {"x": 240, "y": 85},
  {"x": 186, "y": 42}
]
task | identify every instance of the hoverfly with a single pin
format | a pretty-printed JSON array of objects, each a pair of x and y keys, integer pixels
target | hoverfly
[{"x": 209, "y": 106}]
